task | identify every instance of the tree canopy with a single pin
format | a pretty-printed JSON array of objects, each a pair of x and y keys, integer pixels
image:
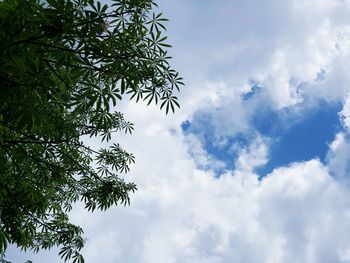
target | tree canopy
[{"x": 64, "y": 66}]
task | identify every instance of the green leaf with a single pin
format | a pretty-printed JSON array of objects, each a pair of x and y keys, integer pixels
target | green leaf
[{"x": 64, "y": 66}]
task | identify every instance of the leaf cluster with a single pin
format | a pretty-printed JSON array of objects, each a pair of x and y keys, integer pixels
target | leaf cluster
[{"x": 64, "y": 67}]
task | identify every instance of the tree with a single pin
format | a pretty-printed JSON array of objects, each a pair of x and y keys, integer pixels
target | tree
[{"x": 64, "y": 66}]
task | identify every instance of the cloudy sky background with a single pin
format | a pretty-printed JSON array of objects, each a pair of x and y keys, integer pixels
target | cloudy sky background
[{"x": 254, "y": 167}]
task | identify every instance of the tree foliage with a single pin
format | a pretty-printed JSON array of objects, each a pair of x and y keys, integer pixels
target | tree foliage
[{"x": 64, "y": 66}]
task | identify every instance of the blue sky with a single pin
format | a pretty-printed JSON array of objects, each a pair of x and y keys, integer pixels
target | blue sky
[
  {"x": 254, "y": 166},
  {"x": 303, "y": 138}
]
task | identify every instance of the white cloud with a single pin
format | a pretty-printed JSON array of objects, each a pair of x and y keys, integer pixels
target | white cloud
[
  {"x": 338, "y": 158},
  {"x": 200, "y": 156},
  {"x": 280, "y": 43},
  {"x": 345, "y": 114},
  {"x": 183, "y": 214},
  {"x": 253, "y": 156},
  {"x": 297, "y": 213},
  {"x": 308, "y": 208}
]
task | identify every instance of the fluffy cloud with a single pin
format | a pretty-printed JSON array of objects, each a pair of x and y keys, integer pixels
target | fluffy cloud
[
  {"x": 338, "y": 157},
  {"x": 345, "y": 114},
  {"x": 296, "y": 49},
  {"x": 297, "y": 213},
  {"x": 184, "y": 214}
]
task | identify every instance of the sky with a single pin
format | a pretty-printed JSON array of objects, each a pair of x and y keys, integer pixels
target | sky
[{"x": 255, "y": 165}]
